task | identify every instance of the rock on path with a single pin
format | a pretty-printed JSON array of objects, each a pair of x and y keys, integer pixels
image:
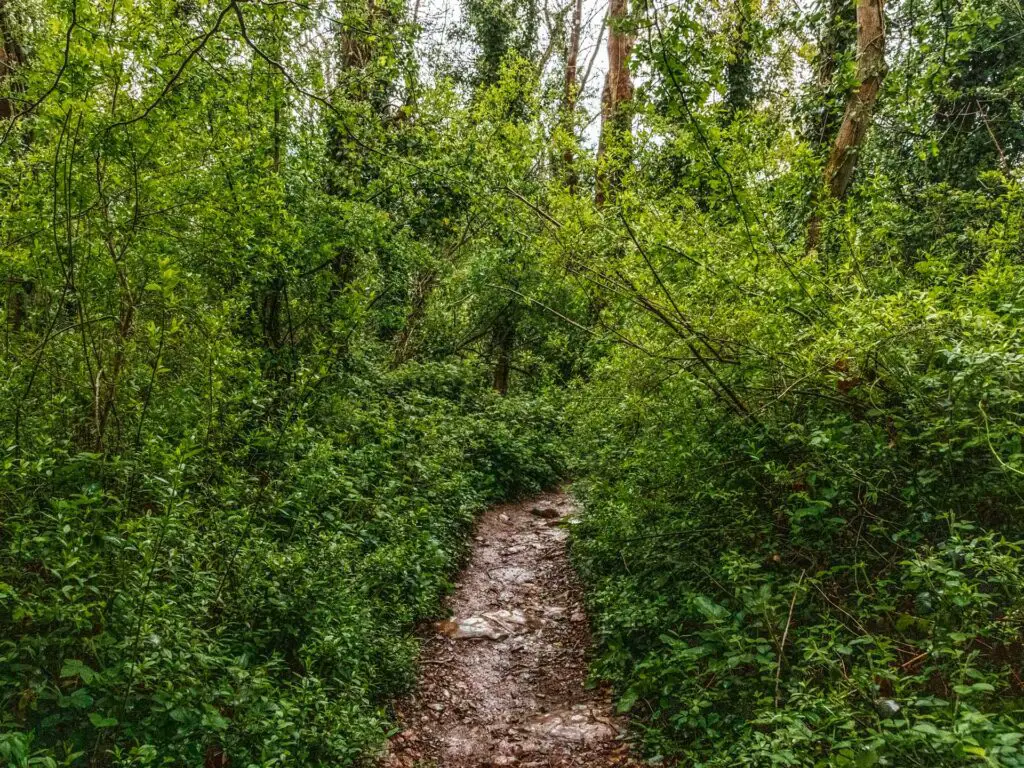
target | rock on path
[{"x": 503, "y": 679}]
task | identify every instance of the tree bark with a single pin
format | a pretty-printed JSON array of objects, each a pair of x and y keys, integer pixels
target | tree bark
[
  {"x": 838, "y": 35},
  {"x": 356, "y": 49},
  {"x": 421, "y": 292},
  {"x": 616, "y": 115},
  {"x": 12, "y": 56},
  {"x": 274, "y": 294},
  {"x": 871, "y": 71},
  {"x": 503, "y": 341},
  {"x": 357, "y": 46},
  {"x": 739, "y": 68},
  {"x": 860, "y": 105},
  {"x": 569, "y": 97}
]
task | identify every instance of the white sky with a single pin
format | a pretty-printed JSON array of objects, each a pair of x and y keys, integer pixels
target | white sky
[{"x": 441, "y": 20}]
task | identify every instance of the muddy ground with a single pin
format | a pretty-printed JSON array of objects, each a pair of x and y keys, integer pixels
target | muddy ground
[{"x": 503, "y": 680}]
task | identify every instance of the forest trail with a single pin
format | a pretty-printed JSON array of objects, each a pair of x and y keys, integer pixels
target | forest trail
[{"x": 503, "y": 680}]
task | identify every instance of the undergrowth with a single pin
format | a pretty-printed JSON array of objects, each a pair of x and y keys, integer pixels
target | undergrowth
[
  {"x": 833, "y": 577},
  {"x": 248, "y": 593}
]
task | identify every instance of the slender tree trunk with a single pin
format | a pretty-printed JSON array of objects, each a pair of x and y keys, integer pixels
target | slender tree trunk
[
  {"x": 410, "y": 77},
  {"x": 569, "y": 97},
  {"x": 871, "y": 71},
  {"x": 739, "y": 68},
  {"x": 18, "y": 291},
  {"x": 616, "y": 115},
  {"x": 421, "y": 293},
  {"x": 12, "y": 56},
  {"x": 503, "y": 341},
  {"x": 276, "y": 149},
  {"x": 274, "y": 294},
  {"x": 860, "y": 105},
  {"x": 838, "y": 35},
  {"x": 356, "y": 52},
  {"x": 270, "y": 312}
]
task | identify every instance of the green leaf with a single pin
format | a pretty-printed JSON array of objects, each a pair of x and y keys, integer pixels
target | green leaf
[
  {"x": 76, "y": 668},
  {"x": 627, "y": 701},
  {"x": 711, "y": 610},
  {"x": 101, "y": 721},
  {"x": 78, "y": 699}
]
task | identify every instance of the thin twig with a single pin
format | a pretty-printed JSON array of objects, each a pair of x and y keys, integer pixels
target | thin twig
[{"x": 785, "y": 635}]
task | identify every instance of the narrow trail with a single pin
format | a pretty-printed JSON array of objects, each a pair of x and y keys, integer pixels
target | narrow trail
[{"x": 503, "y": 680}]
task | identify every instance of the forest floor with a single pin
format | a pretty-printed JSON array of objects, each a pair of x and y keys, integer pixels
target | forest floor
[{"x": 503, "y": 681}]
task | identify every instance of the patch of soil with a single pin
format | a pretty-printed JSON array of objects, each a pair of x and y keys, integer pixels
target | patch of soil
[{"x": 503, "y": 680}]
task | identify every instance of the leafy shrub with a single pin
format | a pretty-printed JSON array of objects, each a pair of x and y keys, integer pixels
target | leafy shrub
[
  {"x": 835, "y": 578},
  {"x": 260, "y": 606}
]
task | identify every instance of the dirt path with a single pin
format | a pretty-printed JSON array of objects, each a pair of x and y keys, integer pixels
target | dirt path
[{"x": 503, "y": 680}]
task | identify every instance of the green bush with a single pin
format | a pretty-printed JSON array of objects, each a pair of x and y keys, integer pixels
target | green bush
[
  {"x": 258, "y": 602},
  {"x": 834, "y": 578}
]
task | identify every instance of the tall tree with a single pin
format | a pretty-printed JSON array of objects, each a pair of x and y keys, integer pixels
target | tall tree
[
  {"x": 570, "y": 94},
  {"x": 739, "y": 68},
  {"x": 504, "y": 31},
  {"x": 367, "y": 51},
  {"x": 274, "y": 299},
  {"x": 860, "y": 105},
  {"x": 503, "y": 340},
  {"x": 12, "y": 56},
  {"x": 501, "y": 27},
  {"x": 837, "y": 37},
  {"x": 616, "y": 102}
]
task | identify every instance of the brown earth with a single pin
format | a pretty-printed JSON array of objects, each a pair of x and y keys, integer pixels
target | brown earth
[{"x": 503, "y": 681}]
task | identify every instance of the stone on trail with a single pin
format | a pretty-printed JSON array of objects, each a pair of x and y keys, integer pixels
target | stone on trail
[
  {"x": 512, "y": 574},
  {"x": 493, "y": 625},
  {"x": 548, "y": 513},
  {"x": 581, "y": 724}
]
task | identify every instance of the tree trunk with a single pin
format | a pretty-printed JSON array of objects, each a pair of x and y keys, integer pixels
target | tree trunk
[
  {"x": 360, "y": 48},
  {"x": 871, "y": 71},
  {"x": 18, "y": 291},
  {"x": 273, "y": 301},
  {"x": 616, "y": 115},
  {"x": 739, "y": 68},
  {"x": 838, "y": 35},
  {"x": 569, "y": 97},
  {"x": 274, "y": 294},
  {"x": 12, "y": 56},
  {"x": 421, "y": 291},
  {"x": 410, "y": 77},
  {"x": 860, "y": 104},
  {"x": 357, "y": 47},
  {"x": 503, "y": 341}
]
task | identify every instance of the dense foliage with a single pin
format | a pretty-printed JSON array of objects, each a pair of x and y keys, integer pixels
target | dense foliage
[
  {"x": 239, "y": 457},
  {"x": 252, "y": 595},
  {"x": 774, "y": 584},
  {"x": 804, "y": 478},
  {"x": 290, "y": 290}
]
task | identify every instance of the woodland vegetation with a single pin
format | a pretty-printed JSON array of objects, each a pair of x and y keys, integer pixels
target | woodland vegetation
[{"x": 290, "y": 289}]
